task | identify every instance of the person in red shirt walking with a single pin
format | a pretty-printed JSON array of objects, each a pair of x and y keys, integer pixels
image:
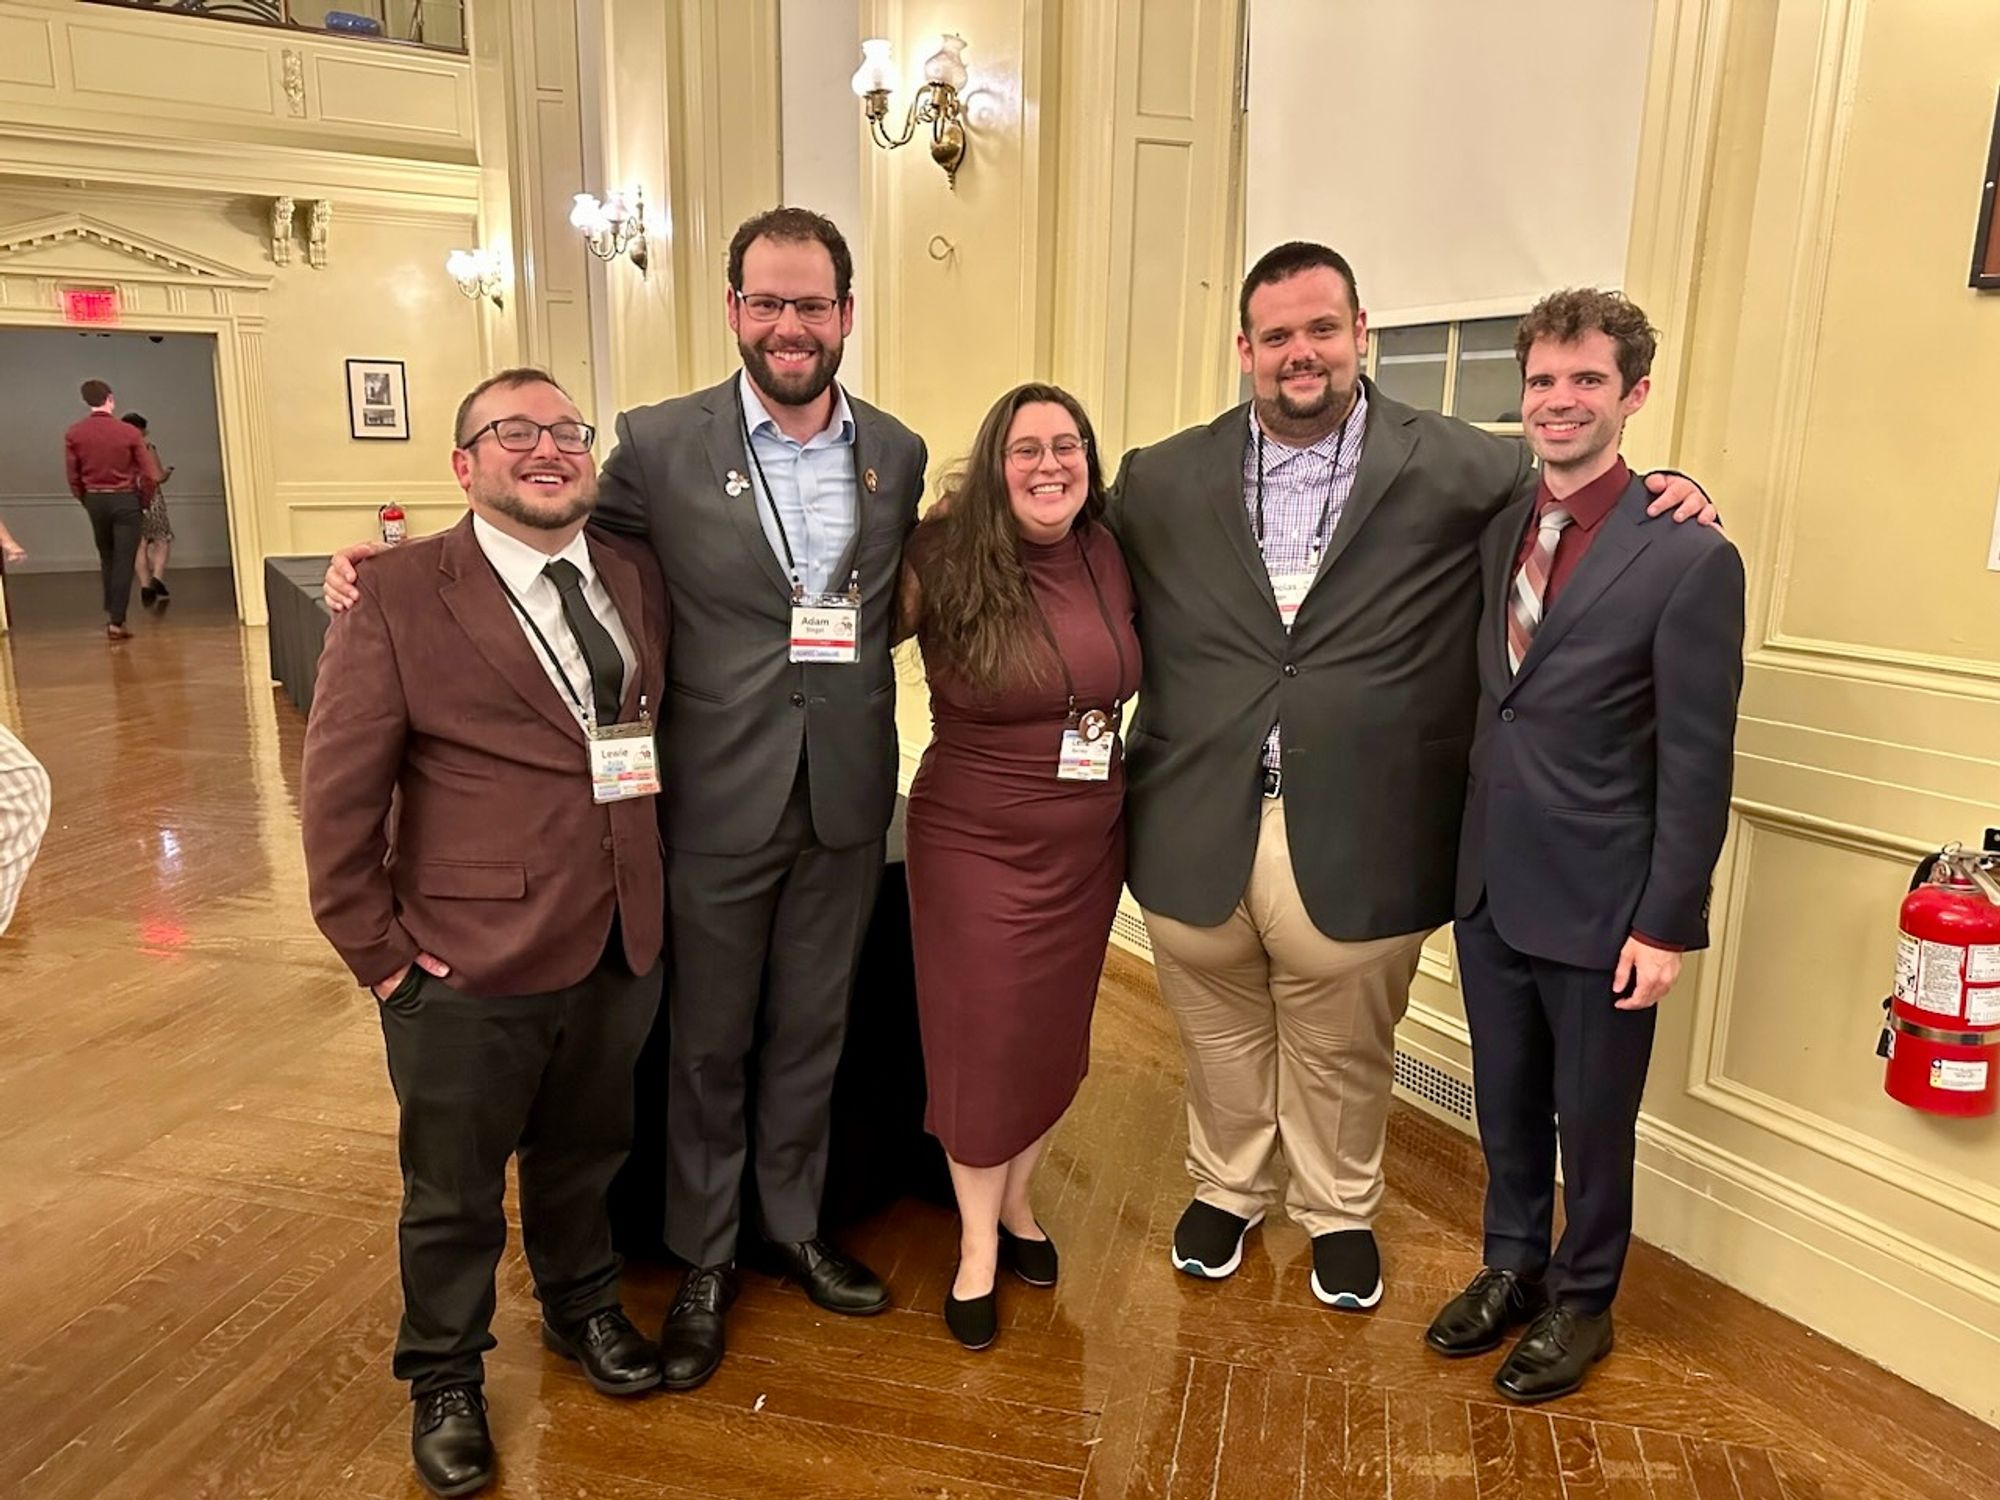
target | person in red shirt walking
[{"x": 113, "y": 475}]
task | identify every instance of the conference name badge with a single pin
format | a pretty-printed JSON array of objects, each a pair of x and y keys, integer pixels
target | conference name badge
[
  {"x": 1086, "y": 748},
  {"x": 825, "y": 630},
  {"x": 623, "y": 761},
  {"x": 1291, "y": 589}
]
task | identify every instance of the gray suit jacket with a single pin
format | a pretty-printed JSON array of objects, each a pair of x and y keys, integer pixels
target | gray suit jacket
[
  {"x": 738, "y": 714},
  {"x": 1601, "y": 771},
  {"x": 1375, "y": 684}
]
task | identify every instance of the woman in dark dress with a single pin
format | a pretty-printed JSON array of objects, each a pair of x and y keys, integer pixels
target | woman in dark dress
[{"x": 1020, "y": 601}]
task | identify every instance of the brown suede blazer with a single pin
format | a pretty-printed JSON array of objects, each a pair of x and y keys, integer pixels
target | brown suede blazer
[{"x": 494, "y": 859}]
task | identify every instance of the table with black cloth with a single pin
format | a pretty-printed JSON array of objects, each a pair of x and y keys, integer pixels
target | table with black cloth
[
  {"x": 297, "y": 620},
  {"x": 879, "y": 1151}
]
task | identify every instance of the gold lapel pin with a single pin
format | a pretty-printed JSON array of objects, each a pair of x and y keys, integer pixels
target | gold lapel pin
[{"x": 868, "y": 480}]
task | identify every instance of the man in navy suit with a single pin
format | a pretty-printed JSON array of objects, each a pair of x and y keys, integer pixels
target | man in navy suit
[{"x": 1610, "y": 659}]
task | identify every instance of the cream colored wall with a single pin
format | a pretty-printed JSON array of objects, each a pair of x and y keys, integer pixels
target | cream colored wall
[{"x": 1834, "y": 377}]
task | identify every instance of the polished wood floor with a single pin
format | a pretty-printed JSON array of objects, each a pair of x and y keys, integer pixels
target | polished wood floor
[{"x": 198, "y": 1285}]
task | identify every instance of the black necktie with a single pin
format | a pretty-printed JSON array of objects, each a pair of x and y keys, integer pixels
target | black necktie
[{"x": 607, "y": 667}]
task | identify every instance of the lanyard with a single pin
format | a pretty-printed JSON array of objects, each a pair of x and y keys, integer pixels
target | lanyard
[
  {"x": 1104, "y": 613},
  {"x": 784, "y": 537},
  {"x": 1333, "y": 479},
  {"x": 589, "y": 714}
]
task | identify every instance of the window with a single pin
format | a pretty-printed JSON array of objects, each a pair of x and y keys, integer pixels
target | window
[{"x": 1464, "y": 370}]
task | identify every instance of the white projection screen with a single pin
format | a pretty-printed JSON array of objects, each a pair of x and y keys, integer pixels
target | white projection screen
[{"x": 1465, "y": 155}]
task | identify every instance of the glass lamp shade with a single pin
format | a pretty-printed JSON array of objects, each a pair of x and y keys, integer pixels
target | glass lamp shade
[
  {"x": 877, "y": 74},
  {"x": 463, "y": 265},
  {"x": 947, "y": 64},
  {"x": 585, "y": 213}
]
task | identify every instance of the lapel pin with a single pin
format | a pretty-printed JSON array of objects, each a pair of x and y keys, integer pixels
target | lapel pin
[
  {"x": 868, "y": 480},
  {"x": 735, "y": 484}
]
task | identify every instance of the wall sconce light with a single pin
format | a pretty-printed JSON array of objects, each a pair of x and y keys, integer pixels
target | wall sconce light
[
  {"x": 615, "y": 227},
  {"x": 938, "y": 103},
  {"x": 479, "y": 273}
]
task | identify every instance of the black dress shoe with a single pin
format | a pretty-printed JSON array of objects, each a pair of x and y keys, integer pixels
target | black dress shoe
[
  {"x": 616, "y": 1359},
  {"x": 691, "y": 1340},
  {"x": 160, "y": 589},
  {"x": 449, "y": 1441},
  {"x": 834, "y": 1281},
  {"x": 148, "y": 593},
  {"x": 1554, "y": 1355},
  {"x": 1034, "y": 1261},
  {"x": 1479, "y": 1317},
  {"x": 974, "y": 1321}
]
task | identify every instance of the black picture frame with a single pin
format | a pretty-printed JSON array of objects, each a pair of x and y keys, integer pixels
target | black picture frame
[
  {"x": 1986, "y": 244},
  {"x": 378, "y": 400}
]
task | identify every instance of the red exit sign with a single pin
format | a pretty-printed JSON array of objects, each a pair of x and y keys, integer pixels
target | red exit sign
[{"x": 89, "y": 304}]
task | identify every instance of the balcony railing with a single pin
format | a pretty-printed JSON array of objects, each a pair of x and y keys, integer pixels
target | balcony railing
[{"x": 426, "y": 23}]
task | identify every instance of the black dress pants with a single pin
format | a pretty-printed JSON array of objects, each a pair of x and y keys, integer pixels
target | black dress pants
[
  {"x": 765, "y": 947},
  {"x": 1553, "y": 1059},
  {"x": 114, "y": 526},
  {"x": 545, "y": 1077}
]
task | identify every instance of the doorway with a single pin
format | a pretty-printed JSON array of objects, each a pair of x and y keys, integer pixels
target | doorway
[{"x": 168, "y": 379}]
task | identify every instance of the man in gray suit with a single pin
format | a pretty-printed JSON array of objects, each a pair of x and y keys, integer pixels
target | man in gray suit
[
  {"x": 778, "y": 505},
  {"x": 1307, "y": 573}
]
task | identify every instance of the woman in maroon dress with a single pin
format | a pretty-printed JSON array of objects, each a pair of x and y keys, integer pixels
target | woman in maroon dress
[{"x": 1016, "y": 837}]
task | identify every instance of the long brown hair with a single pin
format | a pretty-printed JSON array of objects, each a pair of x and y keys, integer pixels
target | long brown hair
[{"x": 978, "y": 613}]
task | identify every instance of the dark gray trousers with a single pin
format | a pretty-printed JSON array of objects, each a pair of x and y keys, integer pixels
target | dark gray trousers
[
  {"x": 545, "y": 1077},
  {"x": 764, "y": 952},
  {"x": 114, "y": 526}
]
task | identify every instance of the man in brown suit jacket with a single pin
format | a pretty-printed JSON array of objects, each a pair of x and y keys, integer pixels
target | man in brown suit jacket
[{"x": 480, "y": 863}]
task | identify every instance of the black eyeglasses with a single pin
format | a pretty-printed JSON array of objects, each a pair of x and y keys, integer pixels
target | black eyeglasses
[
  {"x": 520, "y": 435},
  {"x": 765, "y": 308}
]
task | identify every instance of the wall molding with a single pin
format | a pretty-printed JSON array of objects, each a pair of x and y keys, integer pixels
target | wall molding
[{"x": 1879, "y": 665}]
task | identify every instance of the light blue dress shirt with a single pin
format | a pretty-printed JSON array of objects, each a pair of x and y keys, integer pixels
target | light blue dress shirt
[{"x": 812, "y": 489}]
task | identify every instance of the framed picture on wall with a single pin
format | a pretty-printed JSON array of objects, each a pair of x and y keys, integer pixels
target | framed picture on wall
[
  {"x": 378, "y": 402},
  {"x": 1986, "y": 245}
]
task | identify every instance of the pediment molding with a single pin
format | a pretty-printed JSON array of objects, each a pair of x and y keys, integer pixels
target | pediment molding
[{"x": 152, "y": 259}]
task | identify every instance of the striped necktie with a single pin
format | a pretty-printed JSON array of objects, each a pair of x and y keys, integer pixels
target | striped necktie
[{"x": 1531, "y": 584}]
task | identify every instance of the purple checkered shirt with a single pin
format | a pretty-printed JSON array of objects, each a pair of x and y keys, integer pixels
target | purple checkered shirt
[{"x": 1297, "y": 483}]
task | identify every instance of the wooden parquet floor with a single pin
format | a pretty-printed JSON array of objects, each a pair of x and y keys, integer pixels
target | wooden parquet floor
[{"x": 198, "y": 1183}]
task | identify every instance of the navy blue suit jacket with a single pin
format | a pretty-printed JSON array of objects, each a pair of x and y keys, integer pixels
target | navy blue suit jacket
[{"x": 1601, "y": 770}]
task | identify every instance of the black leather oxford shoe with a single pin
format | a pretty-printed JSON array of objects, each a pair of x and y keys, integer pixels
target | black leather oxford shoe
[
  {"x": 691, "y": 1340},
  {"x": 1554, "y": 1355},
  {"x": 1478, "y": 1318},
  {"x": 449, "y": 1441},
  {"x": 836, "y": 1282},
  {"x": 615, "y": 1356}
]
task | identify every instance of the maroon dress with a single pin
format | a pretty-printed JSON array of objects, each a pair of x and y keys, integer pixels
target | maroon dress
[{"x": 1014, "y": 874}]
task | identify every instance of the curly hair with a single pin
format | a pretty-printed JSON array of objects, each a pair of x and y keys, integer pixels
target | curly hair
[
  {"x": 977, "y": 610},
  {"x": 1565, "y": 317}
]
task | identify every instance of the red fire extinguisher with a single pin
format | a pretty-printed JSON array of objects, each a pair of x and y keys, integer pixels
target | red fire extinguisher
[
  {"x": 1944, "y": 1017},
  {"x": 391, "y": 518}
]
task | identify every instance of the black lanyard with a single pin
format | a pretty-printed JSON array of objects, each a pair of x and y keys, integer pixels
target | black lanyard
[
  {"x": 1333, "y": 479},
  {"x": 1104, "y": 613},
  {"x": 784, "y": 537},
  {"x": 589, "y": 715}
]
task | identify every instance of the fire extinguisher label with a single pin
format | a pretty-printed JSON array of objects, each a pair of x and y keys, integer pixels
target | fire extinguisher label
[
  {"x": 1958, "y": 1077},
  {"x": 1982, "y": 1007},
  {"x": 1939, "y": 972},
  {"x": 1906, "y": 969},
  {"x": 1982, "y": 963}
]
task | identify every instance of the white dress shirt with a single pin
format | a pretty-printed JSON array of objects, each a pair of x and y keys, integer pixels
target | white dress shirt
[
  {"x": 520, "y": 568},
  {"x": 812, "y": 495},
  {"x": 24, "y": 816}
]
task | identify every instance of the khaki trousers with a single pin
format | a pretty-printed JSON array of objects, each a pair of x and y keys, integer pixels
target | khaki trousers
[{"x": 1289, "y": 1037}]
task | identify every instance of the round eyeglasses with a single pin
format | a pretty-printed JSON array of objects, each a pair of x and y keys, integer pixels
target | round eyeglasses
[{"x": 1028, "y": 452}]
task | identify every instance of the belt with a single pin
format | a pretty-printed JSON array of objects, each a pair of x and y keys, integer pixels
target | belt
[
  {"x": 1274, "y": 781},
  {"x": 126, "y": 489}
]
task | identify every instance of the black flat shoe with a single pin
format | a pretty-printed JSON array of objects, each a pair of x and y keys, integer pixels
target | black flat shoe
[
  {"x": 1034, "y": 1261},
  {"x": 836, "y": 1282},
  {"x": 1480, "y": 1317},
  {"x": 691, "y": 1340},
  {"x": 616, "y": 1358},
  {"x": 449, "y": 1442},
  {"x": 975, "y": 1321},
  {"x": 1553, "y": 1356}
]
